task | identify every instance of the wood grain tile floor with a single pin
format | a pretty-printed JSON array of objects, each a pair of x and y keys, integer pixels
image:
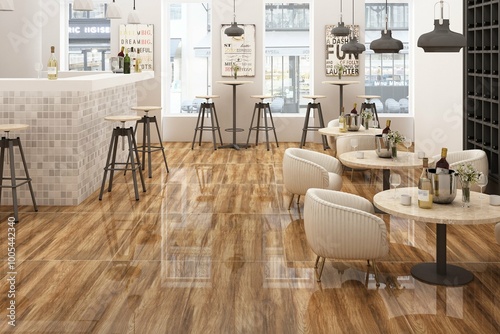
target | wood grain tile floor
[{"x": 212, "y": 248}]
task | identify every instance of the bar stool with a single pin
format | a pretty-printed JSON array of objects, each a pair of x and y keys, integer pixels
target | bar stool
[
  {"x": 8, "y": 143},
  {"x": 367, "y": 104},
  {"x": 208, "y": 108},
  {"x": 313, "y": 106},
  {"x": 261, "y": 108},
  {"x": 146, "y": 147},
  {"x": 135, "y": 163}
]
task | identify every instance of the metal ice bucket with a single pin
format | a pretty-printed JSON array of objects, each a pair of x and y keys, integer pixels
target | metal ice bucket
[
  {"x": 382, "y": 146},
  {"x": 445, "y": 186},
  {"x": 116, "y": 64},
  {"x": 353, "y": 122}
]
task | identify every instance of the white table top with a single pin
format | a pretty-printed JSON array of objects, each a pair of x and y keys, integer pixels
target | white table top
[
  {"x": 13, "y": 127},
  {"x": 146, "y": 108},
  {"x": 369, "y": 97},
  {"x": 234, "y": 82},
  {"x": 341, "y": 82},
  {"x": 372, "y": 161},
  {"x": 335, "y": 131},
  {"x": 479, "y": 212}
]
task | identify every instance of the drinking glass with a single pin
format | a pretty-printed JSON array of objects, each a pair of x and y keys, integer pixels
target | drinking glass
[
  {"x": 38, "y": 69},
  {"x": 482, "y": 181},
  {"x": 395, "y": 181},
  {"x": 354, "y": 143},
  {"x": 375, "y": 123}
]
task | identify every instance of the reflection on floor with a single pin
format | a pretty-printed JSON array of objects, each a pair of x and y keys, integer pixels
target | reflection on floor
[{"x": 212, "y": 248}]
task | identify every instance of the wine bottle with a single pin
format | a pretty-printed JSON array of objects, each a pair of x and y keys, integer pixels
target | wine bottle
[
  {"x": 121, "y": 53},
  {"x": 354, "y": 110},
  {"x": 425, "y": 191},
  {"x": 342, "y": 123},
  {"x": 52, "y": 65},
  {"x": 442, "y": 166},
  {"x": 132, "y": 56},
  {"x": 138, "y": 61},
  {"x": 126, "y": 64},
  {"x": 387, "y": 128}
]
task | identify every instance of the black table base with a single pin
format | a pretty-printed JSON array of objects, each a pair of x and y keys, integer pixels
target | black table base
[{"x": 454, "y": 276}]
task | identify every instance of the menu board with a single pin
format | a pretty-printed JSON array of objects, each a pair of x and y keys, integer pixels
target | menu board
[
  {"x": 140, "y": 37},
  {"x": 336, "y": 57},
  {"x": 238, "y": 51}
]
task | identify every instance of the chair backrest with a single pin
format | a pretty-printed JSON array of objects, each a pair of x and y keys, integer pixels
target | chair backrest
[
  {"x": 365, "y": 142},
  {"x": 277, "y": 104},
  {"x": 343, "y": 226},
  {"x": 392, "y": 106},
  {"x": 497, "y": 233},
  {"x": 403, "y": 105},
  {"x": 334, "y": 123}
]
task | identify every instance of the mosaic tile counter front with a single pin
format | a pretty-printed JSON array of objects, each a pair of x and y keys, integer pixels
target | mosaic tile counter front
[{"x": 67, "y": 142}]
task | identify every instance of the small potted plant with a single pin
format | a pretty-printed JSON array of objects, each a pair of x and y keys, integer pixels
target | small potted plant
[
  {"x": 366, "y": 116},
  {"x": 340, "y": 69},
  {"x": 235, "y": 68},
  {"x": 468, "y": 175},
  {"x": 394, "y": 138}
]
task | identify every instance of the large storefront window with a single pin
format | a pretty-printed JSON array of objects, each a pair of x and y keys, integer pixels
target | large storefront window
[
  {"x": 89, "y": 39},
  {"x": 190, "y": 55},
  {"x": 287, "y": 69},
  {"x": 387, "y": 74}
]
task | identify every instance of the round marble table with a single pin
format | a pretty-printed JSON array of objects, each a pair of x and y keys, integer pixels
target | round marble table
[
  {"x": 480, "y": 212},
  {"x": 372, "y": 161},
  {"x": 334, "y": 132}
]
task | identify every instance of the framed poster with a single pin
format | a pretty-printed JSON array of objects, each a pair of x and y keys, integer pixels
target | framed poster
[
  {"x": 335, "y": 58},
  {"x": 140, "y": 37},
  {"x": 238, "y": 51}
]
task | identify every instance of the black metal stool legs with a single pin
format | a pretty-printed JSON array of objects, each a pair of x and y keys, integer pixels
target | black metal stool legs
[
  {"x": 306, "y": 127},
  {"x": 261, "y": 109},
  {"x": 209, "y": 108}
]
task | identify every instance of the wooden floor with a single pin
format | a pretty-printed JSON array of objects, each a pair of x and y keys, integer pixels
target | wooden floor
[{"x": 212, "y": 248}]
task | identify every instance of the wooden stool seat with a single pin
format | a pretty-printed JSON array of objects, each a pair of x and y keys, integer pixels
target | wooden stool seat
[
  {"x": 314, "y": 97},
  {"x": 13, "y": 127},
  {"x": 122, "y": 118},
  {"x": 262, "y": 97},
  {"x": 146, "y": 108},
  {"x": 207, "y": 97}
]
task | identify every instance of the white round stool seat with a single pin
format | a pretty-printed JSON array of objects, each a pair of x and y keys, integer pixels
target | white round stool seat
[
  {"x": 122, "y": 118},
  {"x": 369, "y": 97},
  {"x": 262, "y": 97},
  {"x": 207, "y": 97},
  {"x": 13, "y": 127},
  {"x": 146, "y": 108},
  {"x": 314, "y": 97}
]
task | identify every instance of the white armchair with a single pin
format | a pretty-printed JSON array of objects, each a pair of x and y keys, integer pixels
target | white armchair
[
  {"x": 334, "y": 123},
  {"x": 304, "y": 169},
  {"x": 343, "y": 226},
  {"x": 476, "y": 157}
]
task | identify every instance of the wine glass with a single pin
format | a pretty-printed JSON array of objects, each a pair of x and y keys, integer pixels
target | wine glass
[
  {"x": 375, "y": 124},
  {"x": 407, "y": 143},
  {"x": 482, "y": 181},
  {"x": 395, "y": 181},
  {"x": 354, "y": 143},
  {"x": 38, "y": 68}
]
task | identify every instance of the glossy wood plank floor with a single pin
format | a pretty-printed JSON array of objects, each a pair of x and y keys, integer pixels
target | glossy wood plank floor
[{"x": 212, "y": 248}]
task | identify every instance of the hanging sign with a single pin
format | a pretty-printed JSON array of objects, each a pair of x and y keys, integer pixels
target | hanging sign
[
  {"x": 140, "y": 37},
  {"x": 336, "y": 59},
  {"x": 238, "y": 52}
]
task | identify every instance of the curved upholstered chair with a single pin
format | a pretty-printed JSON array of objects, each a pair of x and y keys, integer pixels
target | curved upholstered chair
[
  {"x": 304, "y": 169},
  {"x": 497, "y": 232},
  {"x": 476, "y": 157},
  {"x": 334, "y": 123},
  {"x": 343, "y": 226}
]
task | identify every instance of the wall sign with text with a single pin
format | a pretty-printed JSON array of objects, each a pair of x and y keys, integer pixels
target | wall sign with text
[
  {"x": 139, "y": 36},
  {"x": 335, "y": 56},
  {"x": 238, "y": 51}
]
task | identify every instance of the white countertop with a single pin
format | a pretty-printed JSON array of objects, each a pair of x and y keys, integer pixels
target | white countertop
[{"x": 80, "y": 82}]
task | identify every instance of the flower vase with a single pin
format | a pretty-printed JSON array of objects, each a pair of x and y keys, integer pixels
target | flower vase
[
  {"x": 340, "y": 75},
  {"x": 394, "y": 151},
  {"x": 366, "y": 123},
  {"x": 235, "y": 75},
  {"x": 465, "y": 194}
]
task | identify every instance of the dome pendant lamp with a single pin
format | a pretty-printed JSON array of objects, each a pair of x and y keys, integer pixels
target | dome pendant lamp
[
  {"x": 6, "y": 5},
  {"x": 234, "y": 30},
  {"x": 386, "y": 44},
  {"x": 113, "y": 11},
  {"x": 340, "y": 30},
  {"x": 441, "y": 39},
  {"x": 83, "y": 5},
  {"x": 133, "y": 17},
  {"x": 353, "y": 47}
]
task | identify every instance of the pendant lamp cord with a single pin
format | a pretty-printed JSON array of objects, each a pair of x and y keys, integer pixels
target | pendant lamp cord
[
  {"x": 442, "y": 12},
  {"x": 386, "y": 18},
  {"x": 352, "y": 18},
  {"x": 134, "y": 4},
  {"x": 234, "y": 10},
  {"x": 341, "y": 10}
]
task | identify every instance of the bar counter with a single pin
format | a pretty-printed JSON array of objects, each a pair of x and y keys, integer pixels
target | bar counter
[{"x": 68, "y": 138}]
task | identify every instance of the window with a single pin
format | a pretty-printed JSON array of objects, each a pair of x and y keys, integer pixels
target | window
[
  {"x": 287, "y": 64},
  {"x": 190, "y": 55},
  {"x": 387, "y": 74},
  {"x": 89, "y": 39}
]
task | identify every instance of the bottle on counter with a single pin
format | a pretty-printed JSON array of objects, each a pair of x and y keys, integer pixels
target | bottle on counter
[
  {"x": 126, "y": 64},
  {"x": 342, "y": 123},
  {"x": 132, "y": 56},
  {"x": 52, "y": 65},
  {"x": 121, "y": 53},
  {"x": 425, "y": 189},
  {"x": 442, "y": 166},
  {"x": 387, "y": 128},
  {"x": 138, "y": 62},
  {"x": 354, "y": 110}
]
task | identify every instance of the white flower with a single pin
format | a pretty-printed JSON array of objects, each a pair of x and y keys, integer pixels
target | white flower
[{"x": 468, "y": 173}]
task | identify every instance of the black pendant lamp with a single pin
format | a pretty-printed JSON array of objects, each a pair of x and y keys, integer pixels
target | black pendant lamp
[
  {"x": 441, "y": 39},
  {"x": 341, "y": 30},
  {"x": 234, "y": 30},
  {"x": 386, "y": 44},
  {"x": 353, "y": 47}
]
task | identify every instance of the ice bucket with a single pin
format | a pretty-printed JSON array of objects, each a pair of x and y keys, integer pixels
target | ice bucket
[
  {"x": 352, "y": 121},
  {"x": 445, "y": 186},
  {"x": 382, "y": 146},
  {"x": 116, "y": 64}
]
